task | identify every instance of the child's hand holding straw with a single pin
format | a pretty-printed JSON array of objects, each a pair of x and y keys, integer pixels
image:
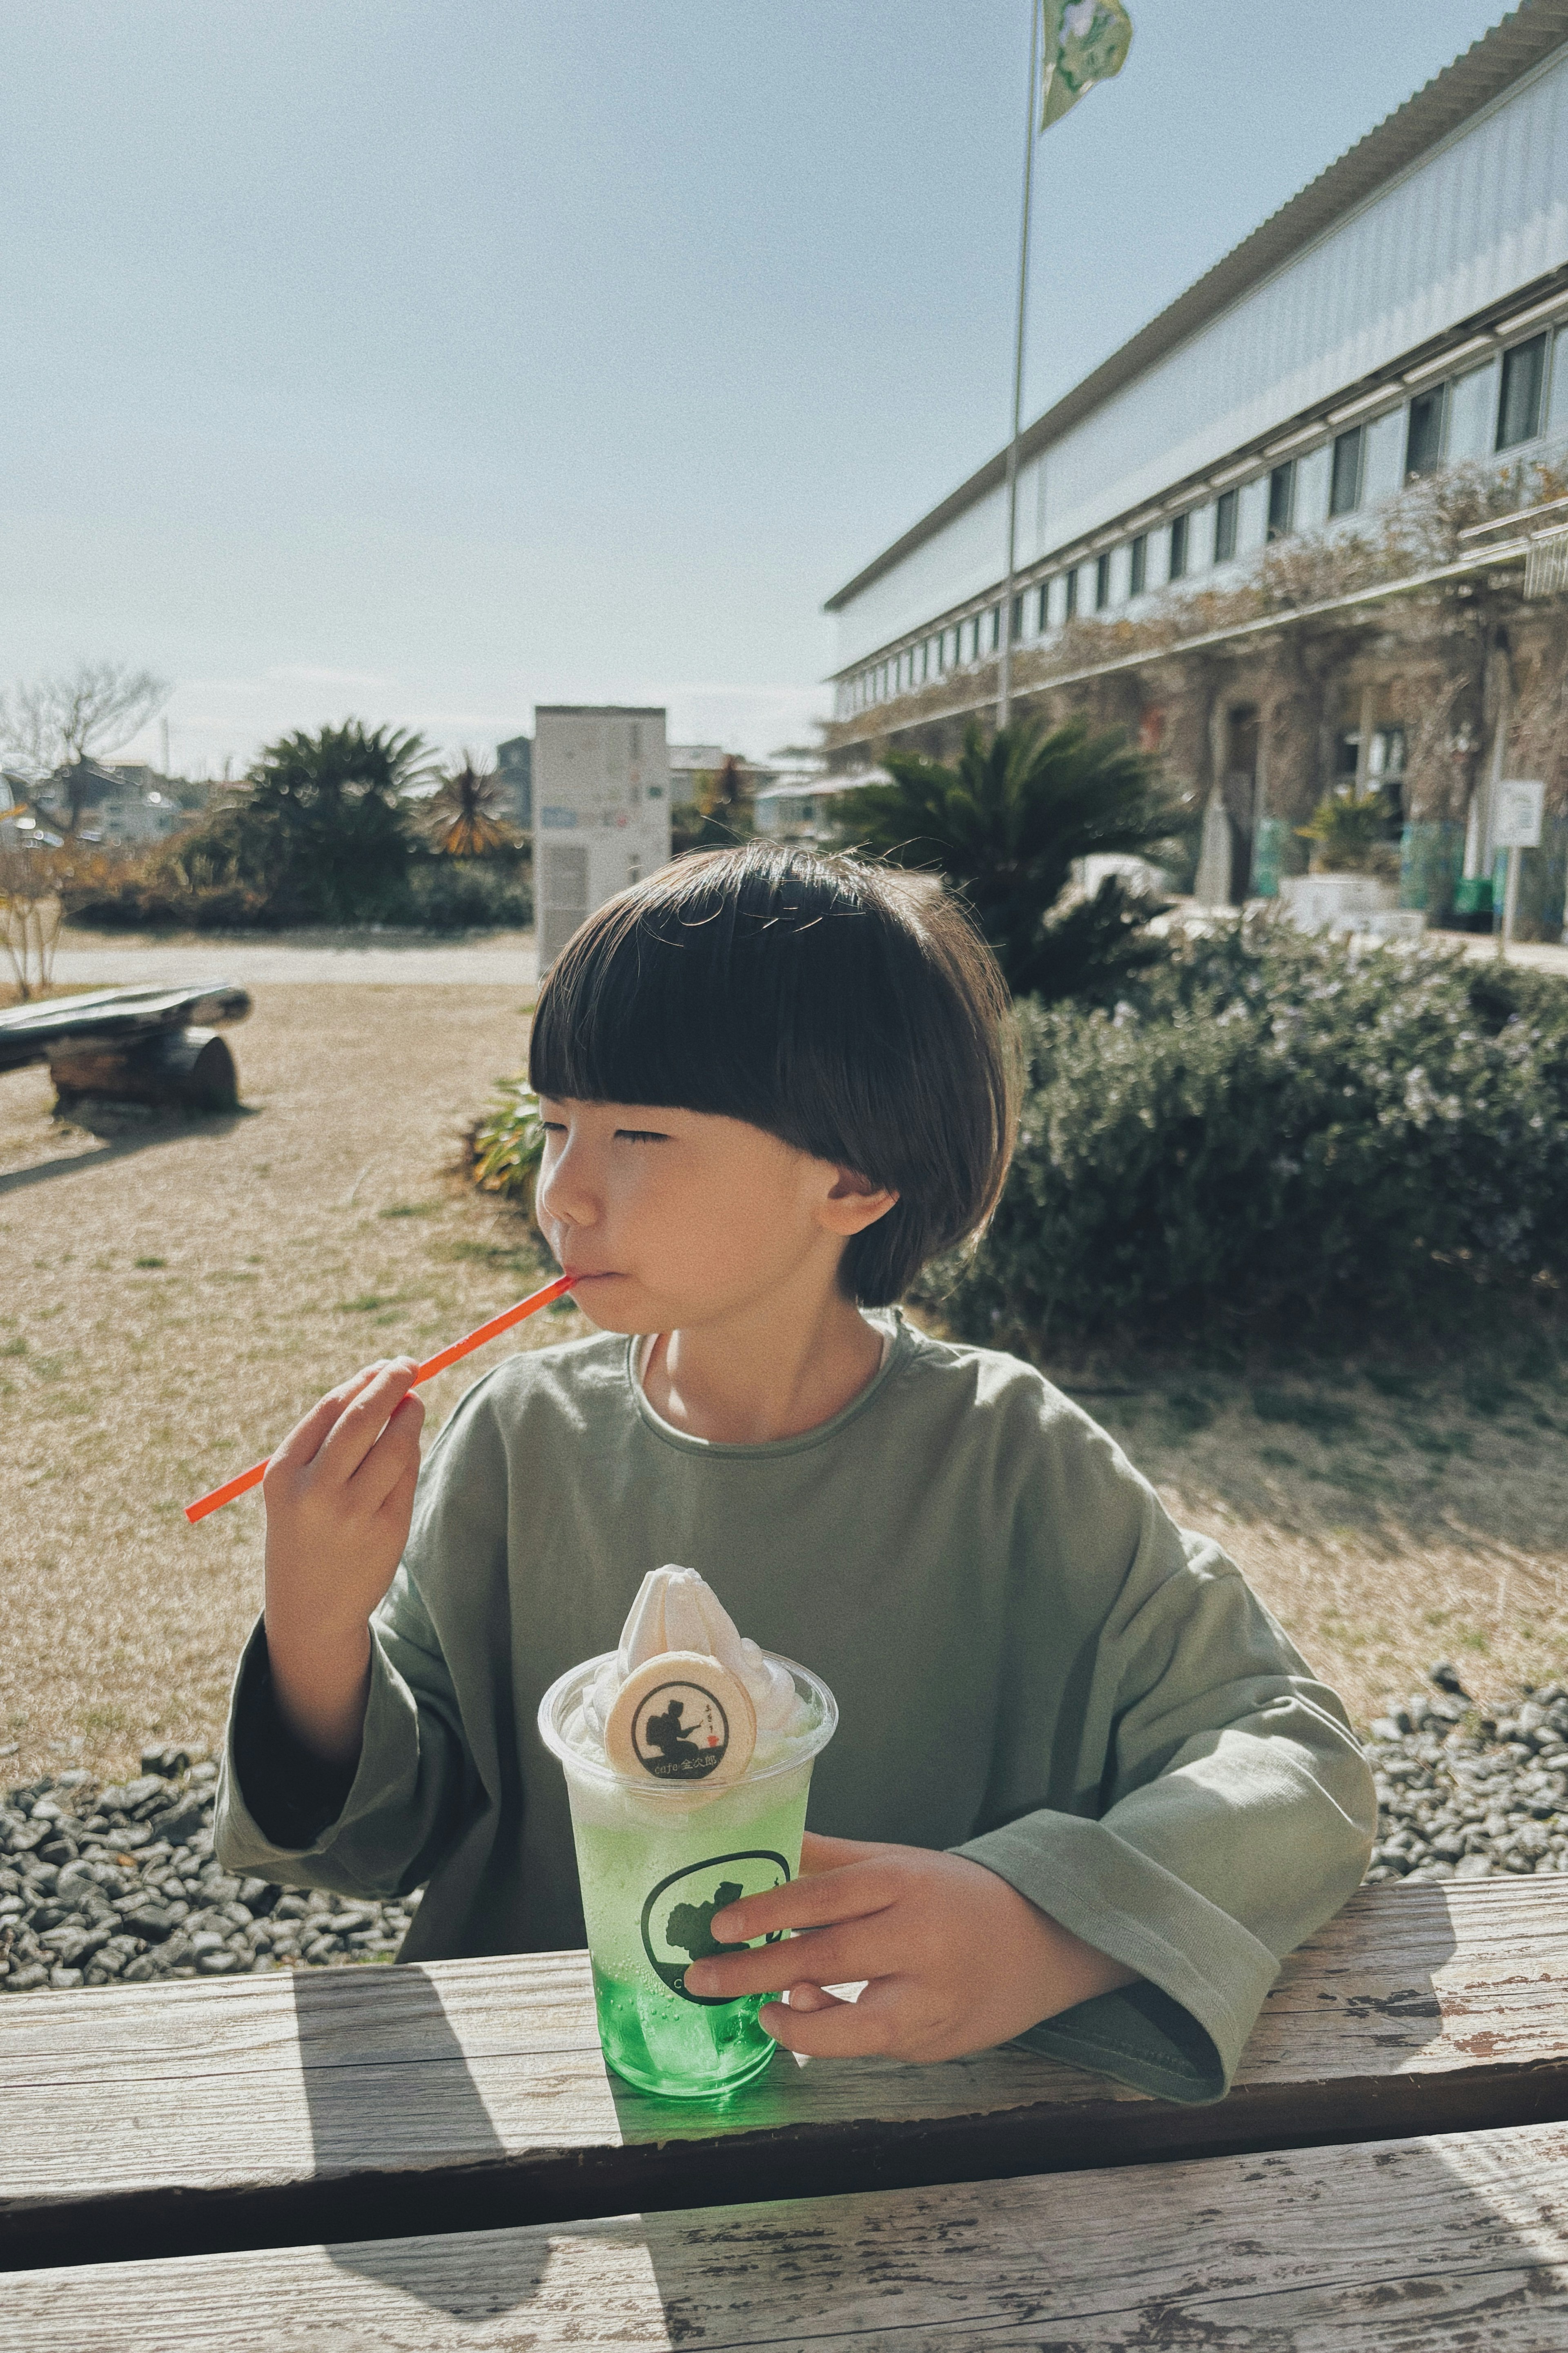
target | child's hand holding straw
[{"x": 340, "y": 1497}]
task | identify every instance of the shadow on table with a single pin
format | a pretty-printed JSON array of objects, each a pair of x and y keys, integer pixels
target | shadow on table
[{"x": 419, "y": 2107}]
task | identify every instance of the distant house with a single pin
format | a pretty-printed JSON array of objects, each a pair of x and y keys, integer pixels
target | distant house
[
  {"x": 807, "y": 808},
  {"x": 126, "y": 808},
  {"x": 514, "y": 764},
  {"x": 689, "y": 765}
]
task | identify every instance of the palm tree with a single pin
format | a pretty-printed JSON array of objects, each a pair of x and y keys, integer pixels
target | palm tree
[
  {"x": 320, "y": 828},
  {"x": 467, "y": 817},
  {"x": 1005, "y": 823}
]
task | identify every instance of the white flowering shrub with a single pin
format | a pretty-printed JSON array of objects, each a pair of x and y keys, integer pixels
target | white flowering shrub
[{"x": 1280, "y": 1131}]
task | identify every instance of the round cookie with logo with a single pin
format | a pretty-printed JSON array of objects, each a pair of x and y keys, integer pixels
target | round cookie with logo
[{"x": 682, "y": 1719}]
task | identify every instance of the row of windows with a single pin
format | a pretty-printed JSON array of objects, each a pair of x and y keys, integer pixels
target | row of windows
[{"x": 1213, "y": 534}]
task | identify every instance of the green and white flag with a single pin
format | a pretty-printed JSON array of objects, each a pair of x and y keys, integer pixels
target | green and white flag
[{"x": 1086, "y": 41}]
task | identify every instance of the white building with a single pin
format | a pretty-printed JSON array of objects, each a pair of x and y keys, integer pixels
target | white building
[
  {"x": 1407, "y": 310},
  {"x": 601, "y": 803}
]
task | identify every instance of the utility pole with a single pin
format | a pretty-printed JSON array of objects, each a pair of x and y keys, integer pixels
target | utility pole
[
  {"x": 1005, "y": 680},
  {"x": 166, "y": 727}
]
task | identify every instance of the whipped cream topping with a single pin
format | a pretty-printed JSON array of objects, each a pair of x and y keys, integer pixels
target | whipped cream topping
[{"x": 676, "y": 1610}]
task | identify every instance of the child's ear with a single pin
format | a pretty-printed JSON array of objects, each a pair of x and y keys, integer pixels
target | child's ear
[{"x": 853, "y": 1203}]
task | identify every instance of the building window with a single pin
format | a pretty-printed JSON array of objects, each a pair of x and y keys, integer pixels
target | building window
[
  {"x": 1178, "y": 549},
  {"x": 1102, "y": 581},
  {"x": 966, "y": 631},
  {"x": 1385, "y": 756},
  {"x": 1224, "y": 507},
  {"x": 1017, "y": 628},
  {"x": 1523, "y": 382},
  {"x": 1138, "y": 577},
  {"x": 1345, "y": 477},
  {"x": 1069, "y": 602},
  {"x": 1426, "y": 432},
  {"x": 994, "y": 628},
  {"x": 1043, "y": 621},
  {"x": 949, "y": 648},
  {"x": 1282, "y": 500}
]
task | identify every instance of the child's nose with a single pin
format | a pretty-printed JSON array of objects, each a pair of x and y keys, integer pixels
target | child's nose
[{"x": 563, "y": 1192}]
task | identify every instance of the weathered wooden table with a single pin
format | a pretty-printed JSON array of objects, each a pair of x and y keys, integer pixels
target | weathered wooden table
[{"x": 1387, "y": 2169}]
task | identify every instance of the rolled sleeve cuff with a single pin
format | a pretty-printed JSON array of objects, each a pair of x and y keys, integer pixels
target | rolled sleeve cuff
[
  {"x": 1180, "y": 2034},
  {"x": 276, "y": 1800}
]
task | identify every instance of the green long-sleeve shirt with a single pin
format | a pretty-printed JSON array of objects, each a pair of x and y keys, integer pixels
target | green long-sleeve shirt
[{"x": 1034, "y": 1667}]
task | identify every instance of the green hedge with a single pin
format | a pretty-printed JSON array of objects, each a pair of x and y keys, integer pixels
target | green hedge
[
  {"x": 433, "y": 894},
  {"x": 1280, "y": 1132}
]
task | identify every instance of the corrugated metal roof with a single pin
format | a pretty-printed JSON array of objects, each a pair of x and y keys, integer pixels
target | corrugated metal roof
[{"x": 1485, "y": 70}]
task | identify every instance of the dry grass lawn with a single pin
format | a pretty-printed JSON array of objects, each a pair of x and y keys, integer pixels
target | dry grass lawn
[{"x": 177, "y": 1291}]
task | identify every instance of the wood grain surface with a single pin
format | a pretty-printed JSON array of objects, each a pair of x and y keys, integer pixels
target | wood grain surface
[
  {"x": 1436, "y": 2244},
  {"x": 375, "y": 2102}
]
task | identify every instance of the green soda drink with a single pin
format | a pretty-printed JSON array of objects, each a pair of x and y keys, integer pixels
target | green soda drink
[{"x": 657, "y": 1859}]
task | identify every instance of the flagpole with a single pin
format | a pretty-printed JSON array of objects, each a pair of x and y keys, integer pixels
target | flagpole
[{"x": 1004, "y": 682}]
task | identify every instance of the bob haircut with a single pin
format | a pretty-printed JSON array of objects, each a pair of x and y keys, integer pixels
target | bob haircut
[{"x": 849, "y": 1009}]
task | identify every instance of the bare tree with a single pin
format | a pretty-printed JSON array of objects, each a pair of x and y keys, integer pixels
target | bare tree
[{"x": 64, "y": 720}]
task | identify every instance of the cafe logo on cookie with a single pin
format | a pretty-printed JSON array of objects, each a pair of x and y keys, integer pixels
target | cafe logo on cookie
[
  {"x": 681, "y": 1732},
  {"x": 677, "y": 1917}
]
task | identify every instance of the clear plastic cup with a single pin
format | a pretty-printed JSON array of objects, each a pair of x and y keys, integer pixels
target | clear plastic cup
[{"x": 655, "y": 1861}]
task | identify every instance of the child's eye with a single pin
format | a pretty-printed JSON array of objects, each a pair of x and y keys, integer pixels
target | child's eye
[{"x": 640, "y": 1136}]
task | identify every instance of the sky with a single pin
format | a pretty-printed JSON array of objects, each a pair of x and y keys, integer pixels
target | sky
[{"x": 421, "y": 360}]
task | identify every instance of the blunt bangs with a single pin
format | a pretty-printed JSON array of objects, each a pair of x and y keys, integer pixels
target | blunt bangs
[{"x": 849, "y": 1009}]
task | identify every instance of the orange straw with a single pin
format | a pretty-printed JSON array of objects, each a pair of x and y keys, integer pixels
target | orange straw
[{"x": 438, "y": 1364}]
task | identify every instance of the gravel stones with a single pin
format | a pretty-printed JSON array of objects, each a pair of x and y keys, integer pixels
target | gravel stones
[
  {"x": 1462, "y": 1793},
  {"x": 117, "y": 1885}
]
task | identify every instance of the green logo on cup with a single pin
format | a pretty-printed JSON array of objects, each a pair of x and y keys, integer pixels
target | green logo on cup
[{"x": 677, "y": 1918}]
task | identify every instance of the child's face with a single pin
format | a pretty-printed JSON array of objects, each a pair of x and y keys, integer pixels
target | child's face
[{"x": 670, "y": 1219}]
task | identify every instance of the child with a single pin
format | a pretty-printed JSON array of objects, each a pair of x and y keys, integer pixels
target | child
[{"x": 1083, "y": 1790}]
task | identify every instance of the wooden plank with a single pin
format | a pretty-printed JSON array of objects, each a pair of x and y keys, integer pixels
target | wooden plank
[
  {"x": 1438, "y": 2243},
  {"x": 348, "y": 2104},
  {"x": 29, "y": 1032}
]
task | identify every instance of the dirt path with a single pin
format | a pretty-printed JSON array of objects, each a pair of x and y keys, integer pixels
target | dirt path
[
  {"x": 265, "y": 959},
  {"x": 176, "y": 1291}
]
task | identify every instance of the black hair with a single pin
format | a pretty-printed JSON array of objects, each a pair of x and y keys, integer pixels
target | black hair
[{"x": 851, "y": 1009}]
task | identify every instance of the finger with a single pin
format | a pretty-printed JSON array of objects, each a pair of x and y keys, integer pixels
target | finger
[
  {"x": 812, "y": 1997},
  {"x": 305, "y": 1439},
  {"x": 846, "y": 2030},
  {"x": 820, "y": 1854},
  {"x": 851, "y": 1892},
  {"x": 363, "y": 1420},
  {"x": 825, "y": 1956},
  {"x": 392, "y": 1458}
]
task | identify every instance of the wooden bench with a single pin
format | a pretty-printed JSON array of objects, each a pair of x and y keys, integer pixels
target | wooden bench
[
  {"x": 135, "y": 1045},
  {"x": 154, "y": 2121},
  {"x": 1430, "y": 2245}
]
